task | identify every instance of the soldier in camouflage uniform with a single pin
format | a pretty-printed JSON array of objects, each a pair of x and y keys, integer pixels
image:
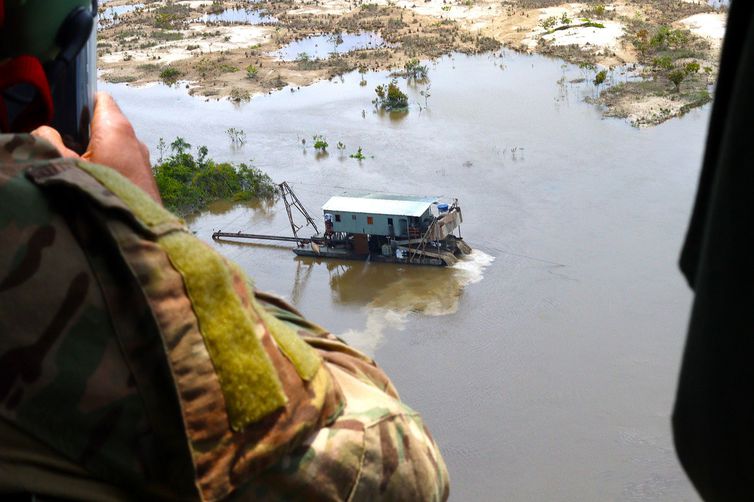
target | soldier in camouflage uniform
[{"x": 136, "y": 362}]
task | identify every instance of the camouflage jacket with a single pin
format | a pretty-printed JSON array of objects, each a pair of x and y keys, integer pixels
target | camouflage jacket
[{"x": 133, "y": 349}]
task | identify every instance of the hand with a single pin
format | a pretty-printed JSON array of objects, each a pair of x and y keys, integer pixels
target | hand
[{"x": 113, "y": 143}]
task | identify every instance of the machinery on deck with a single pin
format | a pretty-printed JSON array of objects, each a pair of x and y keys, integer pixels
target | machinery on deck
[{"x": 376, "y": 227}]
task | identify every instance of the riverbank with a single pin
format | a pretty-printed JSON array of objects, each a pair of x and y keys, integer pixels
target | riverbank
[{"x": 634, "y": 51}]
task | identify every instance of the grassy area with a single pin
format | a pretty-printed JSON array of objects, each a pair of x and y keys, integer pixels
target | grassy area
[{"x": 187, "y": 183}]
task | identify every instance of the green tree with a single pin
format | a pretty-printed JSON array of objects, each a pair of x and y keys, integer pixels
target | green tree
[
  {"x": 391, "y": 98},
  {"x": 179, "y": 145},
  {"x": 676, "y": 76},
  {"x": 600, "y": 77}
]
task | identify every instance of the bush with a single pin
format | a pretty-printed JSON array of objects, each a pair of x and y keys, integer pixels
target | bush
[
  {"x": 359, "y": 155},
  {"x": 320, "y": 143},
  {"x": 663, "y": 62},
  {"x": 189, "y": 183},
  {"x": 251, "y": 71},
  {"x": 692, "y": 67},
  {"x": 391, "y": 98},
  {"x": 676, "y": 76},
  {"x": 169, "y": 75},
  {"x": 600, "y": 77},
  {"x": 549, "y": 23}
]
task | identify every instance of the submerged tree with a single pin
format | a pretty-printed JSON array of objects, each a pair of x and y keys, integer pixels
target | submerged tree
[{"x": 390, "y": 98}]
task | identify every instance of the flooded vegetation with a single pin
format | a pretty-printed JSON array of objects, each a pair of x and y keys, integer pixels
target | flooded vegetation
[
  {"x": 323, "y": 46},
  {"x": 545, "y": 362},
  {"x": 671, "y": 47},
  {"x": 238, "y": 15}
]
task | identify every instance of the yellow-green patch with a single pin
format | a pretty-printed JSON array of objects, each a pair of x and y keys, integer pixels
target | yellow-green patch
[
  {"x": 250, "y": 385},
  {"x": 302, "y": 356}
]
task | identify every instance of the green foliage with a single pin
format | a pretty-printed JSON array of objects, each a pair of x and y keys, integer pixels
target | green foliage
[
  {"x": 415, "y": 70},
  {"x": 226, "y": 68},
  {"x": 692, "y": 67},
  {"x": 600, "y": 77},
  {"x": 189, "y": 183},
  {"x": 251, "y": 71},
  {"x": 676, "y": 76},
  {"x": 359, "y": 155},
  {"x": 320, "y": 143},
  {"x": 564, "y": 19},
  {"x": 169, "y": 15},
  {"x": 446, "y": 8},
  {"x": 391, "y": 98},
  {"x": 549, "y": 23},
  {"x": 641, "y": 41},
  {"x": 663, "y": 62},
  {"x": 304, "y": 61},
  {"x": 667, "y": 38},
  {"x": 167, "y": 35},
  {"x": 599, "y": 9},
  {"x": 169, "y": 75},
  {"x": 591, "y": 24}
]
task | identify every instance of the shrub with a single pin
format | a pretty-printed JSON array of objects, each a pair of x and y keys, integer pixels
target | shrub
[
  {"x": 600, "y": 77},
  {"x": 359, "y": 155},
  {"x": 320, "y": 143},
  {"x": 663, "y": 62},
  {"x": 390, "y": 98},
  {"x": 692, "y": 67},
  {"x": 676, "y": 76},
  {"x": 169, "y": 75},
  {"x": 251, "y": 71},
  {"x": 549, "y": 23}
]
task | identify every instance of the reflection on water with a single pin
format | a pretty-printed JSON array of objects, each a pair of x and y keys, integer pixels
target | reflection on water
[
  {"x": 322, "y": 46},
  {"x": 239, "y": 15},
  {"x": 391, "y": 293}
]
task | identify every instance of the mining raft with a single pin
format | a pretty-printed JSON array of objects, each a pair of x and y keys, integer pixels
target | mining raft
[{"x": 376, "y": 227}]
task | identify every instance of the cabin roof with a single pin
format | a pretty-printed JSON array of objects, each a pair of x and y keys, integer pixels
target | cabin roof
[{"x": 399, "y": 205}]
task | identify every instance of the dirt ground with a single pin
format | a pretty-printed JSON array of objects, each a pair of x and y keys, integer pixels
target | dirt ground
[{"x": 181, "y": 42}]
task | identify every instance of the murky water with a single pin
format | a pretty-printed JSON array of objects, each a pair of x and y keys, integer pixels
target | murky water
[
  {"x": 322, "y": 46},
  {"x": 546, "y": 364},
  {"x": 239, "y": 16}
]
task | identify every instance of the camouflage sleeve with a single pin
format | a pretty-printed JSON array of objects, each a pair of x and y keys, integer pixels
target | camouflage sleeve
[
  {"x": 377, "y": 449},
  {"x": 105, "y": 316}
]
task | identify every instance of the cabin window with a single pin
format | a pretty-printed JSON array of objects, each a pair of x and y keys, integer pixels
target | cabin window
[
  {"x": 353, "y": 217},
  {"x": 370, "y": 220},
  {"x": 389, "y": 221},
  {"x": 337, "y": 217}
]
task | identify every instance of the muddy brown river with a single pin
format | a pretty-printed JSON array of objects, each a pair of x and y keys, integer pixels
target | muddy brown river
[{"x": 546, "y": 363}]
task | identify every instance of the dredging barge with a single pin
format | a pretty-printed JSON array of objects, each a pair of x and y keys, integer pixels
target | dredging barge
[{"x": 375, "y": 227}]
